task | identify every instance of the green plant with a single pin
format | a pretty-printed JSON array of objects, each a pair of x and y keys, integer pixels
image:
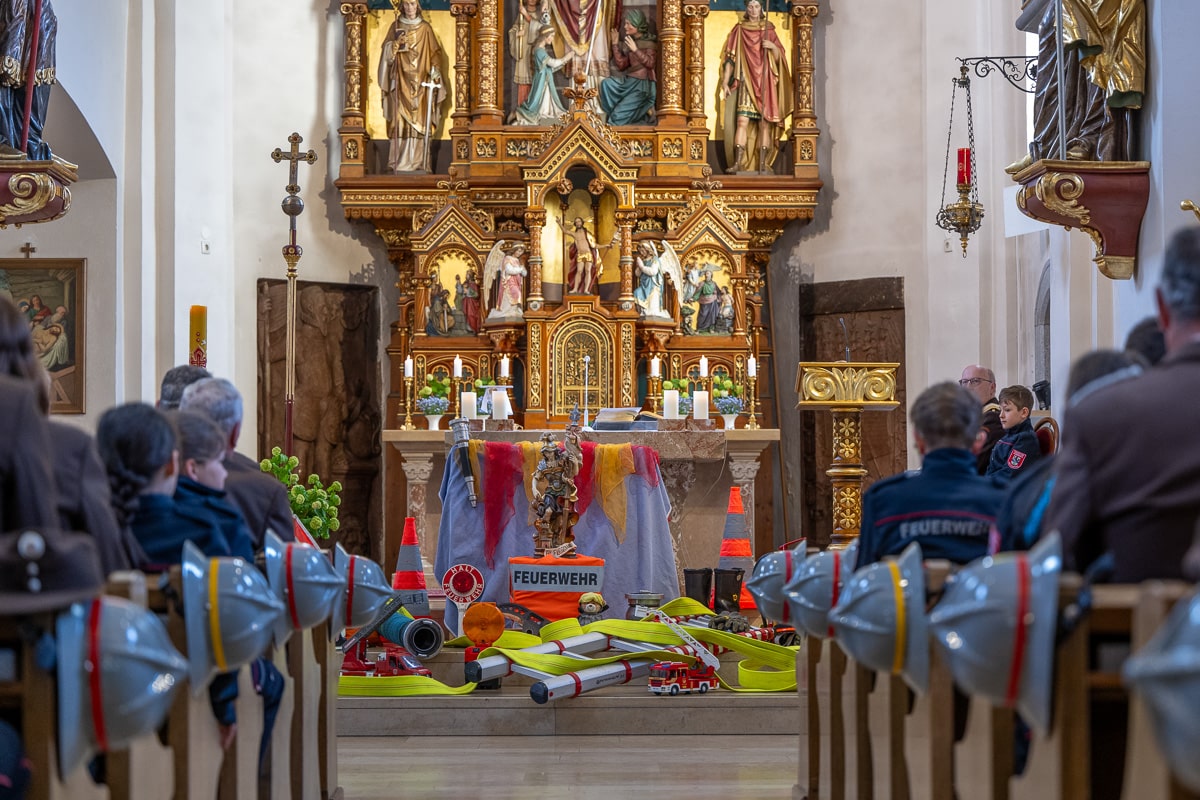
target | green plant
[
  {"x": 435, "y": 386},
  {"x": 314, "y": 503}
]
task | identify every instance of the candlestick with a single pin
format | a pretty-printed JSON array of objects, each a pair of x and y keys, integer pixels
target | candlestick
[
  {"x": 504, "y": 364},
  {"x": 587, "y": 362},
  {"x": 671, "y": 404},
  {"x": 408, "y": 398},
  {"x": 752, "y": 413},
  {"x": 752, "y": 367},
  {"x": 198, "y": 337},
  {"x": 457, "y": 367},
  {"x": 655, "y": 367},
  {"x": 467, "y": 401},
  {"x": 655, "y": 389},
  {"x": 408, "y": 367},
  {"x": 703, "y": 366},
  {"x": 964, "y": 166},
  {"x": 699, "y": 405}
]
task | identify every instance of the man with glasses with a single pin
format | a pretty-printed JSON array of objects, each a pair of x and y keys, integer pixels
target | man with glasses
[{"x": 981, "y": 382}]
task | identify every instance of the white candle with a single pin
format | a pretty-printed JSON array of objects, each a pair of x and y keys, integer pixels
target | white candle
[
  {"x": 498, "y": 405},
  {"x": 408, "y": 367},
  {"x": 699, "y": 405},
  {"x": 504, "y": 367},
  {"x": 703, "y": 366},
  {"x": 655, "y": 367},
  {"x": 671, "y": 403},
  {"x": 457, "y": 367},
  {"x": 468, "y": 405},
  {"x": 752, "y": 367}
]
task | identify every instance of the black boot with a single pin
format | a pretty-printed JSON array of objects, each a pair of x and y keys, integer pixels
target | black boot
[
  {"x": 697, "y": 584},
  {"x": 728, "y": 590}
]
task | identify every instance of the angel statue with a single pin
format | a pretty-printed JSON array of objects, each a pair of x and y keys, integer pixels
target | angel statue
[
  {"x": 504, "y": 278},
  {"x": 649, "y": 266}
]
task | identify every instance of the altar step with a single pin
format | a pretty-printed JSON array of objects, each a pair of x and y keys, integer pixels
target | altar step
[{"x": 615, "y": 710}]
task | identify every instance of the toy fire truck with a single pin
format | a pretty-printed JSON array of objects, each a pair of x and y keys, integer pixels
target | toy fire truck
[
  {"x": 673, "y": 677},
  {"x": 393, "y": 661}
]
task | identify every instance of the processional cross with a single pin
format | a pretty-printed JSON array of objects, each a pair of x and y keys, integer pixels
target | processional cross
[
  {"x": 292, "y": 206},
  {"x": 431, "y": 86}
]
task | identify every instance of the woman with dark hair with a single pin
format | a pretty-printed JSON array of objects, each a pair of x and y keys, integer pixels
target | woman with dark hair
[{"x": 81, "y": 484}]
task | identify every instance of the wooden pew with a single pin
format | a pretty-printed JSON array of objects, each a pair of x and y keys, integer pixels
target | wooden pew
[
  {"x": 330, "y": 662},
  {"x": 33, "y": 695},
  {"x": 305, "y": 672},
  {"x": 146, "y": 771},
  {"x": 1146, "y": 774}
]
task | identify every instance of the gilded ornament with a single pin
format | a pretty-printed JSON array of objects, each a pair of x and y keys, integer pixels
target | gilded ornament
[
  {"x": 352, "y": 150},
  {"x": 847, "y": 504},
  {"x": 697, "y": 150},
  {"x": 1060, "y": 193},
  {"x": 462, "y": 149},
  {"x": 806, "y": 150},
  {"x": 485, "y": 148},
  {"x": 518, "y": 148},
  {"x": 853, "y": 385},
  {"x": 672, "y": 148},
  {"x": 31, "y": 193},
  {"x": 535, "y": 365}
]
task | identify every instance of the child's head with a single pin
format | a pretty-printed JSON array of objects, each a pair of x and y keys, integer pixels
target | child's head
[
  {"x": 1015, "y": 405},
  {"x": 138, "y": 446},
  {"x": 201, "y": 449}
]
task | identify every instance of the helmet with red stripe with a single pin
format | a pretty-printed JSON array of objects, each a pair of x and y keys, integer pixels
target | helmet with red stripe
[
  {"x": 771, "y": 573},
  {"x": 815, "y": 587},
  {"x": 305, "y": 582}
]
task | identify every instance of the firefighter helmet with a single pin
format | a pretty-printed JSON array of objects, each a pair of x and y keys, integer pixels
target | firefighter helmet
[
  {"x": 816, "y": 586},
  {"x": 771, "y": 574},
  {"x": 304, "y": 581},
  {"x": 364, "y": 589}
]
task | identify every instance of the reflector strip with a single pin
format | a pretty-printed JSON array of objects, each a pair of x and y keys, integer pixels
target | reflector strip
[
  {"x": 787, "y": 577},
  {"x": 98, "y": 725},
  {"x": 214, "y": 615},
  {"x": 837, "y": 581},
  {"x": 901, "y": 622},
  {"x": 350, "y": 591},
  {"x": 1018, "y": 662},
  {"x": 291, "y": 592}
]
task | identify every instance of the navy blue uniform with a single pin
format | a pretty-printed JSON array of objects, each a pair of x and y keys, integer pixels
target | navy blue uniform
[
  {"x": 1017, "y": 449},
  {"x": 212, "y": 502},
  {"x": 161, "y": 526},
  {"x": 946, "y": 507}
]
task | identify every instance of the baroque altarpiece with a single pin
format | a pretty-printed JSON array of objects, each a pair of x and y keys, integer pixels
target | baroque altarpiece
[{"x": 556, "y": 179}]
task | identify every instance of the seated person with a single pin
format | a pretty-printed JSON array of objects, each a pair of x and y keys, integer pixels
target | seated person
[
  {"x": 946, "y": 506},
  {"x": 1018, "y": 447},
  {"x": 201, "y": 486}
]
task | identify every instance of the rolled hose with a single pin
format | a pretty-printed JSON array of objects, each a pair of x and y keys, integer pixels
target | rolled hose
[{"x": 421, "y": 636}]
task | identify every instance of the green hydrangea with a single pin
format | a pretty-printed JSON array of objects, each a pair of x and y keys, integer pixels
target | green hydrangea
[{"x": 314, "y": 503}]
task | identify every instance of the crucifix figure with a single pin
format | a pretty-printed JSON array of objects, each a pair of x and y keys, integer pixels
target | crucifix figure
[
  {"x": 28, "y": 249},
  {"x": 292, "y": 206}
]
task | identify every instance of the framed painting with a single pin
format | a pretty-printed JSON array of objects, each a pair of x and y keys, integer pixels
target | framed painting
[{"x": 50, "y": 293}]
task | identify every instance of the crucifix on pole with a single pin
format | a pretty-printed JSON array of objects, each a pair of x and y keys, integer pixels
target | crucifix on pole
[{"x": 292, "y": 206}]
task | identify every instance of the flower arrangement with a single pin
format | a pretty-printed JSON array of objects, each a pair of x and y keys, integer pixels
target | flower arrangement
[
  {"x": 727, "y": 396},
  {"x": 314, "y": 503},
  {"x": 434, "y": 397},
  {"x": 685, "y": 404},
  {"x": 483, "y": 395}
]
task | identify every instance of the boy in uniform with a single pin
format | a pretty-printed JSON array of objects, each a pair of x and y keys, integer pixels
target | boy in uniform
[{"x": 1018, "y": 447}]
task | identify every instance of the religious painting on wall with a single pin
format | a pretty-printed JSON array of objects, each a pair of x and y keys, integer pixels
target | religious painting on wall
[{"x": 50, "y": 293}]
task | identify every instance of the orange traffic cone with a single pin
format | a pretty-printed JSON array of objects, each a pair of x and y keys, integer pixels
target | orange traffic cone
[
  {"x": 736, "y": 559},
  {"x": 409, "y": 578}
]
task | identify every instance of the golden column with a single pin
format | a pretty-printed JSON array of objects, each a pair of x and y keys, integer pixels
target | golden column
[
  {"x": 670, "y": 71},
  {"x": 625, "y": 222},
  {"x": 353, "y": 131},
  {"x": 694, "y": 12},
  {"x": 535, "y": 220},
  {"x": 462, "y": 11},
  {"x": 804, "y": 118},
  {"x": 846, "y": 389},
  {"x": 490, "y": 69}
]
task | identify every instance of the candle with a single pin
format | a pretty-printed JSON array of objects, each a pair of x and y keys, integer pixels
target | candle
[
  {"x": 964, "y": 166},
  {"x": 408, "y": 367},
  {"x": 655, "y": 367},
  {"x": 700, "y": 405},
  {"x": 703, "y": 366},
  {"x": 500, "y": 407},
  {"x": 198, "y": 337},
  {"x": 457, "y": 367},
  {"x": 467, "y": 403},
  {"x": 752, "y": 367},
  {"x": 671, "y": 403},
  {"x": 504, "y": 367}
]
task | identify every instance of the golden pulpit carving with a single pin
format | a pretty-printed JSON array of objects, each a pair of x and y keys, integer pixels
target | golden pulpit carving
[{"x": 846, "y": 389}]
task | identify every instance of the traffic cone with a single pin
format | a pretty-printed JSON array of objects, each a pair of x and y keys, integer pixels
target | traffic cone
[
  {"x": 736, "y": 554},
  {"x": 409, "y": 578}
]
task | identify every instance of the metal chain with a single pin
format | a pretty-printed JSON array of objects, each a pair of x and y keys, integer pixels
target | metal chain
[
  {"x": 966, "y": 82},
  {"x": 949, "y": 133}
]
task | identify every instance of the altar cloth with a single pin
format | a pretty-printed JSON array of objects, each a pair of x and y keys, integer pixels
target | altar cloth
[{"x": 644, "y": 560}]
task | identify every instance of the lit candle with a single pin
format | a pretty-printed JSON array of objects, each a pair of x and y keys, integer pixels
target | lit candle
[
  {"x": 752, "y": 367},
  {"x": 671, "y": 403},
  {"x": 468, "y": 405},
  {"x": 655, "y": 367},
  {"x": 457, "y": 367},
  {"x": 703, "y": 366},
  {"x": 198, "y": 337},
  {"x": 408, "y": 367},
  {"x": 964, "y": 166},
  {"x": 700, "y": 405},
  {"x": 504, "y": 367}
]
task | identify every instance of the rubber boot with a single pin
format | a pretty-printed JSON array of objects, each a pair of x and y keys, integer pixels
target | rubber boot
[
  {"x": 728, "y": 589},
  {"x": 762, "y": 161},
  {"x": 739, "y": 158},
  {"x": 697, "y": 584}
]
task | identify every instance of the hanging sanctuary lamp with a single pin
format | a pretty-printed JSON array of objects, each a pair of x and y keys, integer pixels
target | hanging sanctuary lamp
[{"x": 965, "y": 215}]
